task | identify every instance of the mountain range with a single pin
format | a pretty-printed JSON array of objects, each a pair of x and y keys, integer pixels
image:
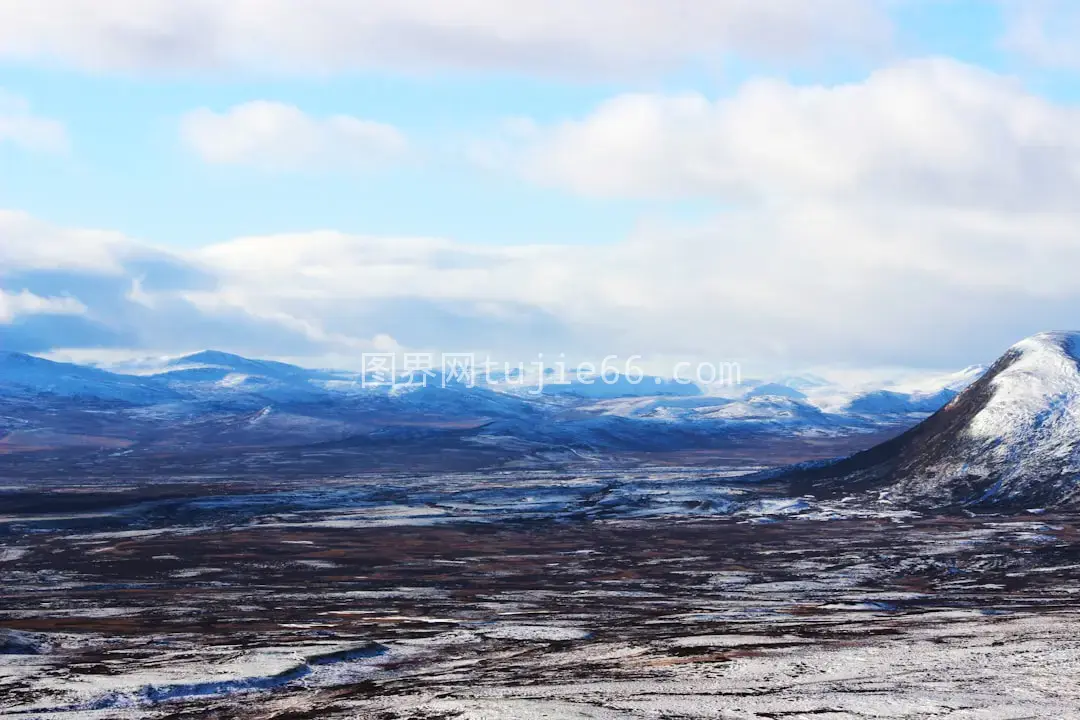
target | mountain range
[
  {"x": 1008, "y": 435},
  {"x": 214, "y": 411}
]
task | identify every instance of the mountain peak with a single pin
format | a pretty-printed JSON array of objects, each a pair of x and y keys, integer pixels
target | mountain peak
[
  {"x": 10, "y": 357},
  {"x": 776, "y": 389},
  {"x": 210, "y": 357},
  {"x": 1059, "y": 339},
  {"x": 1012, "y": 437},
  {"x": 238, "y": 364},
  {"x": 1036, "y": 395}
]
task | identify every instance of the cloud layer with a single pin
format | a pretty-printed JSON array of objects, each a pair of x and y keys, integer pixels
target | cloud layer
[
  {"x": 922, "y": 216},
  {"x": 14, "y": 305},
  {"x": 280, "y": 137},
  {"x": 555, "y": 37},
  {"x": 930, "y": 167},
  {"x": 926, "y": 131}
]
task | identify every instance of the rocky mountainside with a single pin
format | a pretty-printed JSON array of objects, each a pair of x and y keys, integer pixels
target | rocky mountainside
[{"x": 1012, "y": 438}]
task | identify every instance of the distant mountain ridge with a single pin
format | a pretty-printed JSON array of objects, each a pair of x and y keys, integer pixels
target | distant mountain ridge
[
  {"x": 214, "y": 402},
  {"x": 886, "y": 402}
]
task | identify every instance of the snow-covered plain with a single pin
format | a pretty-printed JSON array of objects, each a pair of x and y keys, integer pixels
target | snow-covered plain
[{"x": 668, "y": 592}]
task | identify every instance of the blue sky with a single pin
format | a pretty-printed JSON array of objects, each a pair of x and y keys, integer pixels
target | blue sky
[
  {"x": 128, "y": 170},
  {"x": 779, "y": 183}
]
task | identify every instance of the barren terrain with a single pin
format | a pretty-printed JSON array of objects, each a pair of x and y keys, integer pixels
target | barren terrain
[{"x": 671, "y": 593}]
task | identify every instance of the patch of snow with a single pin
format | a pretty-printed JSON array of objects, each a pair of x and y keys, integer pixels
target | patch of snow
[
  {"x": 10, "y": 554},
  {"x": 550, "y": 633}
]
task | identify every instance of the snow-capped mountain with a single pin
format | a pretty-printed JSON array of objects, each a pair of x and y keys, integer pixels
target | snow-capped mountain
[
  {"x": 1011, "y": 438},
  {"x": 594, "y": 386},
  {"x": 214, "y": 402},
  {"x": 776, "y": 390},
  {"x": 887, "y": 402},
  {"x": 212, "y": 375},
  {"x": 29, "y": 376}
]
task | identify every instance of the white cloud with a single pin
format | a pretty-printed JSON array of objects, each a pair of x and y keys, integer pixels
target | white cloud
[
  {"x": 562, "y": 37},
  {"x": 30, "y": 244},
  {"x": 1043, "y": 31},
  {"x": 923, "y": 216},
  {"x": 813, "y": 284},
  {"x": 930, "y": 131},
  {"x": 128, "y": 294},
  {"x": 20, "y": 126},
  {"x": 932, "y": 198},
  {"x": 14, "y": 305},
  {"x": 275, "y": 136},
  {"x": 929, "y": 167}
]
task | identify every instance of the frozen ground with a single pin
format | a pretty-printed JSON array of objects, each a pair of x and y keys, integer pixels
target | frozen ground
[{"x": 658, "y": 594}]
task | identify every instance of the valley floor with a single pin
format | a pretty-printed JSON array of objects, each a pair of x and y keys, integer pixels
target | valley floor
[{"x": 659, "y": 595}]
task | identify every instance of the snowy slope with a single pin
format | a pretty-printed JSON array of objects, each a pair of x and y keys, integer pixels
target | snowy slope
[
  {"x": 615, "y": 385},
  {"x": 213, "y": 360},
  {"x": 213, "y": 375},
  {"x": 1012, "y": 437},
  {"x": 777, "y": 390},
  {"x": 886, "y": 402},
  {"x": 1036, "y": 399},
  {"x": 28, "y": 376},
  {"x": 769, "y": 413}
]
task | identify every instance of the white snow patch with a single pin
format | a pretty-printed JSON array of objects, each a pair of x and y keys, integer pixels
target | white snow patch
[{"x": 534, "y": 632}]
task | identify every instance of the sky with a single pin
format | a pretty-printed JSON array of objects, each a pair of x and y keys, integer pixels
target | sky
[{"x": 783, "y": 184}]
